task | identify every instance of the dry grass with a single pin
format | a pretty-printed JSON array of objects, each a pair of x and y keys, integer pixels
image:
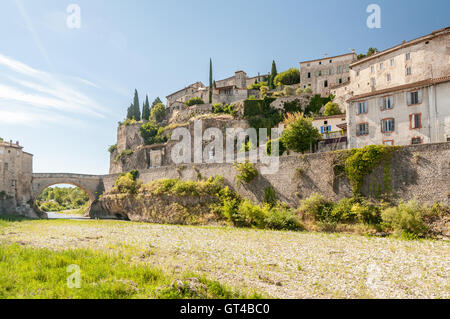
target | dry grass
[{"x": 279, "y": 264}]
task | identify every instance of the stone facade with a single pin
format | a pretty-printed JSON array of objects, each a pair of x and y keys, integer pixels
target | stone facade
[
  {"x": 16, "y": 169},
  {"x": 226, "y": 91},
  {"x": 321, "y": 74},
  {"x": 401, "y": 96}
]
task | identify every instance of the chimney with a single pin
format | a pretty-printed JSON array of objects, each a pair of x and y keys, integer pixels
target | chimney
[
  {"x": 17, "y": 143},
  {"x": 353, "y": 50},
  {"x": 326, "y": 55}
]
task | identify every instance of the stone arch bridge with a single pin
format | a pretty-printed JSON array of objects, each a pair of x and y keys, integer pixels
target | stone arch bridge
[{"x": 91, "y": 184}]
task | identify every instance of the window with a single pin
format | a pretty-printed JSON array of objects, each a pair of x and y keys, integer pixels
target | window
[
  {"x": 416, "y": 140},
  {"x": 408, "y": 70},
  {"x": 373, "y": 82},
  {"x": 331, "y": 61},
  {"x": 381, "y": 66},
  {"x": 357, "y": 73},
  {"x": 309, "y": 64},
  {"x": 372, "y": 69},
  {"x": 415, "y": 121},
  {"x": 330, "y": 71},
  {"x": 387, "y": 125},
  {"x": 309, "y": 75},
  {"x": 320, "y": 63},
  {"x": 408, "y": 56},
  {"x": 388, "y": 77},
  {"x": 388, "y": 142},
  {"x": 6, "y": 167},
  {"x": 392, "y": 62},
  {"x": 387, "y": 103},
  {"x": 362, "y": 129},
  {"x": 414, "y": 97},
  {"x": 362, "y": 107},
  {"x": 325, "y": 129},
  {"x": 1, "y": 150},
  {"x": 325, "y": 84}
]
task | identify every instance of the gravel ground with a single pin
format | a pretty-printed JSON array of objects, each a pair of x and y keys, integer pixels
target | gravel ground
[{"x": 277, "y": 264}]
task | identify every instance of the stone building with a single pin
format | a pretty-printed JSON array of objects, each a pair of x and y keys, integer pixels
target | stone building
[
  {"x": 16, "y": 169},
  {"x": 226, "y": 91},
  {"x": 322, "y": 74},
  {"x": 401, "y": 96},
  {"x": 333, "y": 130}
]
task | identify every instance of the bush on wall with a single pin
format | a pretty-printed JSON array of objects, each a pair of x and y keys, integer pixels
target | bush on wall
[{"x": 194, "y": 101}]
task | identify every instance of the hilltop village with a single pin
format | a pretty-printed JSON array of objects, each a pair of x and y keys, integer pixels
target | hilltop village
[
  {"x": 396, "y": 97},
  {"x": 358, "y": 131}
]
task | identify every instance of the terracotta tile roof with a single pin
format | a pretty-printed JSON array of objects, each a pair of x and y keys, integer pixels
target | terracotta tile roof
[{"x": 418, "y": 84}]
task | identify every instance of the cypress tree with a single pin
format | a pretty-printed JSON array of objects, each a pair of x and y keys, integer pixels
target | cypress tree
[
  {"x": 273, "y": 74},
  {"x": 136, "y": 107},
  {"x": 146, "y": 110},
  {"x": 210, "y": 81},
  {"x": 130, "y": 112}
]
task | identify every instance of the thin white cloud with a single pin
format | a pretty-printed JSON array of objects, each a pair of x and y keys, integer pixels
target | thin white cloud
[
  {"x": 39, "y": 89},
  {"x": 34, "y": 119}
]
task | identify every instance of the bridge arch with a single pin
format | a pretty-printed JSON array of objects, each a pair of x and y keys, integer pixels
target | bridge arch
[{"x": 91, "y": 184}]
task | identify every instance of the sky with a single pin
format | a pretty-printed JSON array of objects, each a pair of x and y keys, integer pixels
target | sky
[{"x": 63, "y": 90}]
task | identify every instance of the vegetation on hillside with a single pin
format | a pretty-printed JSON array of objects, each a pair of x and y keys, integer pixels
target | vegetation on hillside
[
  {"x": 289, "y": 77},
  {"x": 299, "y": 135}
]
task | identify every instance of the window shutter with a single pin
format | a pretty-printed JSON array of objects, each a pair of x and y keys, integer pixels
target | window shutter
[
  {"x": 408, "y": 98},
  {"x": 382, "y": 126},
  {"x": 411, "y": 124},
  {"x": 382, "y": 103},
  {"x": 321, "y": 130},
  {"x": 393, "y": 125},
  {"x": 366, "y": 128},
  {"x": 358, "y": 130},
  {"x": 391, "y": 98},
  {"x": 420, "y": 96},
  {"x": 329, "y": 128}
]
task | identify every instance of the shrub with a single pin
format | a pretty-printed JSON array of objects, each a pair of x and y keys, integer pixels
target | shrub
[
  {"x": 257, "y": 86},
  {"x": 250, "y": 215},
  {"x": 317, "y": 208},
  {"x": 282, "y": 218},
  {"x": 299, "y": 91},
  {"x": 281, "y": 147},
  {"x": 195, "y": 101},
  {"x": 158, "y": 113},
  {"x": 288, "y": 91},
  {"x": 127, "y": 183},
  {"x": 289, "y": 77},
  {"x": 405, "y": 219},
  {"x": 332, "y": 108},
  {"x": 112, "y": 148},
  {"x": 342, "y": 210},
  {"x": 270, "y": 196},
  {"x": 300, "y": 134},
  {"x": 366, "y": 213},
  {"x": 308, "y": 90},
  {"x": 226, "y": 109},
  {"x": 252, "y": 97},
  {"x": 152, "y": 133},
  {"x": 263, "y": 91},
  {"x": 247, "y": 172}
]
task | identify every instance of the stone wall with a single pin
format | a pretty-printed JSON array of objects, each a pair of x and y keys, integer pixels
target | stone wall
[{"x": 420, "y": 171}]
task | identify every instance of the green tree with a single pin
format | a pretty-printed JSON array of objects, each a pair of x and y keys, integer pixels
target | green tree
[
  {"x": 332, "y": 108},
  {"x": 370, "y": 52},
  {"x": 210, "y": 80},
  {"x": 273, "y": 74},
  {"x": 289, "y": 77},
  {"x": 158, "y": 113},
  {"x": 146, "y": 110},
  {"x": 156, "y": 101},
  {"x": 300, "y": 135},
  {"x": 130, "y": 112},
  {"x": 136, "y": 107}
]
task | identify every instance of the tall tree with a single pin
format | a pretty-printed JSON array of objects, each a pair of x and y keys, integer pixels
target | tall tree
[
  {"x": 273, "y": 74},
  {"x": 210, "y": 81},
  {"x": 130, "y": 112},
  {"x": 136, "y": 107},
  {"x": 156, "y": 101},
  {"x": 146, "y": 109}
]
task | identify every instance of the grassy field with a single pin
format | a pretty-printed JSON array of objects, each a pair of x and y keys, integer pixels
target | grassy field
[{"x": 134, "y": 260}]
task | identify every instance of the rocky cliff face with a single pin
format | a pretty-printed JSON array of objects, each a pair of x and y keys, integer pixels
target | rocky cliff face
[{"x": 161, "y": 209}]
